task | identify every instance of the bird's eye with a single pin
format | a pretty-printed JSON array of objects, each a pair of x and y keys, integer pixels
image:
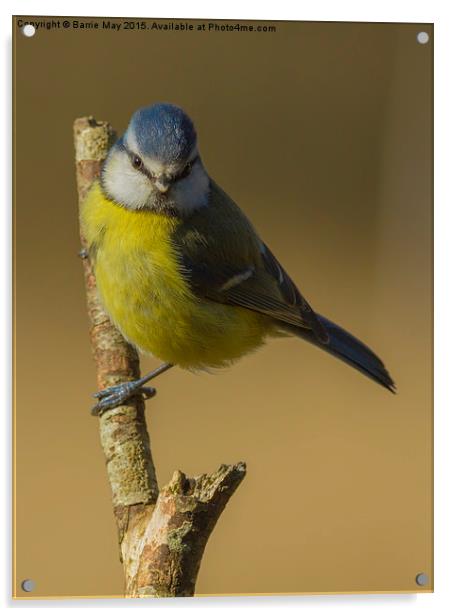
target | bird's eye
[
  {"x": 186, "y": 170},
  {"x": 137, "y": 163}
]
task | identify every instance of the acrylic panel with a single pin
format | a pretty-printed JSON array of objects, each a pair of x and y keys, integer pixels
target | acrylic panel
[{"x": 322, "y": 134}]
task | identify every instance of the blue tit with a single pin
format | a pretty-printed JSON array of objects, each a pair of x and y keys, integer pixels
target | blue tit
[{"x": 180, "y": 269}]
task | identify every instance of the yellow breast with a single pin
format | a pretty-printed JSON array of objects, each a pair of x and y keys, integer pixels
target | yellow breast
[{"x": 140, "y": 284}]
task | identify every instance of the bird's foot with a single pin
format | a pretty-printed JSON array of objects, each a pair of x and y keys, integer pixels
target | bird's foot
[{"x": 114, "y": 396}]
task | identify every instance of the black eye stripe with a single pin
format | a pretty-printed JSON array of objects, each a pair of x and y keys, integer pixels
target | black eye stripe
[
  {"x": 186, "y": 170},
  {"x": 134, "y": 157}
]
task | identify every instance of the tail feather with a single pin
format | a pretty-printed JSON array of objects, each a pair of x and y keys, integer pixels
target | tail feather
[{"x": 349, "y": 349}]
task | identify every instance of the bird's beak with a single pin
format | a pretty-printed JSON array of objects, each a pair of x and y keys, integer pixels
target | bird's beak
[{"x": 162, "y": 184}]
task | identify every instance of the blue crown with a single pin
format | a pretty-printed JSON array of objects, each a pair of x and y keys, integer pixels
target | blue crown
[{"x": 164, "y": 132}]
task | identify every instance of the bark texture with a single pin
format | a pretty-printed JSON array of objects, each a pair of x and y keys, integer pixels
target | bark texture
[{"x": 162, "y": 535}]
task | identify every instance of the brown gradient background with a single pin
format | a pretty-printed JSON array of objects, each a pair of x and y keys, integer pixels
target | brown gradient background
[{"x": 322, "y": 132}]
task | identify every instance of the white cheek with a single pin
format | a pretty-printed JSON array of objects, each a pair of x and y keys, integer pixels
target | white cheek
[
  {"x": 125, "y": 184},
  {"x": 192, "y": 192}
]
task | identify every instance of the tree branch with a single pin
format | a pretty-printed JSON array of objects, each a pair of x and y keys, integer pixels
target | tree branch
[{"x": 161, "y": 536}]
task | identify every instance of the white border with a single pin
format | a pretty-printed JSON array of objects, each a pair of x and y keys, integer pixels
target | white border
[{"x": 436, "y": 11}]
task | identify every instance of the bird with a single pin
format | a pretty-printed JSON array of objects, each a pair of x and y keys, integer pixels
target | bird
[{"x": 181, "y": 270}]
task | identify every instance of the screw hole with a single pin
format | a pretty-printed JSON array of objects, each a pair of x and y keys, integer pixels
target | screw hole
[
  {"x": 422, "y": 579},
  {"x": 423, "y": 38},
  {"x": 28, "y": 585},
  {"x": 28, "y": 30}
]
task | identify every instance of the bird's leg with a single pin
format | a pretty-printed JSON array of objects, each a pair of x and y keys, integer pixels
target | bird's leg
[{"x": 113, "y": 396}]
